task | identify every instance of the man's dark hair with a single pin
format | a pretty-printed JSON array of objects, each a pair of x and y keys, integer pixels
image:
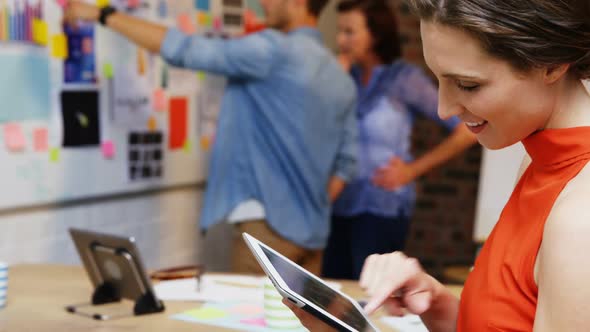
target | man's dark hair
[{"x": 315, "y": 7}]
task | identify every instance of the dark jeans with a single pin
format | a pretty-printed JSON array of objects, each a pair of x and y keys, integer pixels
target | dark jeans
[{"x": 353, "y": 239}]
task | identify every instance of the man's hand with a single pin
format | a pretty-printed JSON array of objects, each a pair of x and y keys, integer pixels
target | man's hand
[
  {"x": 335, "y": 187},
  {"x": 77, "y": 10}
]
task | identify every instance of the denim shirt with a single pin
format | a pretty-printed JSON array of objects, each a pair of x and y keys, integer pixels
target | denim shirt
[
  {"x": 286, "y": 125},
  {"x": 386, "y": 110}
]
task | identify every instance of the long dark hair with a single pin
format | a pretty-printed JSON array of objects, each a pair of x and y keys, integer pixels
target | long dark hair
[
  {"x": 382, "y": 24},
  {"x": 526, "y": 33}
]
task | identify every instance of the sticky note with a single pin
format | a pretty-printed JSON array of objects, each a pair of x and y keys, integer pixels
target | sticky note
[
  {"x": 205, "y": 143},
  {"x": 177, "y": 122},
  {"x": 40, "y": 137},
  {"x": 185, "y": 24},
  {"x": 108, "y": 71},
  {"x": 13, "y": 137},
  {"x": 40, "y": 31},
  {"x": 59, "y": 46},
  {"x": 188, "y": 146},
  {"x": 207, "y": 313},
  {"x": 217, "y": 24},
  {"x": 201, "y": 76},
  {"x": 108, "y": 149},
  {"x": 203, "y": 5},
  {"x": 159, "y": 100},
  {"x": 62, "y": 3},
  {"x": 141, "y": 61},
  {"x": 132, "y": 3},
  {"x": 152, "y": 124},
  {"x": 102, "y": 3},
  {"x": 54, "y": 155},
  {"x": 203, "y": 19}
]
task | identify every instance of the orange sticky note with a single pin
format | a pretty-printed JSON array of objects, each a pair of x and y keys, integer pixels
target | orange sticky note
[
  {"x": 13, "y": 137},
  {"x": 159, "y": 100},
  {"x": 205, "y": 143},
  {"x": 40, "y": 32},
  {"x": 40, "y": 137},
  {"x": 108, "y": 149},
  {"x": 152, "y": 123},
  {"x": 177, "y": 122},
  {"x": 141, "y": 62},
  {"x": 59, "y": 46},
  {"x": 185, "y": 24}
]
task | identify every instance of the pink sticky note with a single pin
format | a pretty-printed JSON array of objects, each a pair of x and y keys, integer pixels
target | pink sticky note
[
  {"x": 217, "y": 24},
  {"x": 133, "y": 3},
  {"x": 159, "y": 100},
  {"x": 40, "y": 136},
  {"x": 108, "y": 149},
  {"x": 13, "y": 137},
  {"x": 258, "y": 321},
  {"x": 62, "y": 3},
  {"x": 185, "y": 24}
]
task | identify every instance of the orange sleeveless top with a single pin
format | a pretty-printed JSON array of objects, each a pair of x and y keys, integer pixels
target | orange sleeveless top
[{"x": 500, "y": 293}]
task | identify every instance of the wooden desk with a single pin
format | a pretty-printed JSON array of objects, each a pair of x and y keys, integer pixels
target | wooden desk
[{"x": 37, "y": 295}]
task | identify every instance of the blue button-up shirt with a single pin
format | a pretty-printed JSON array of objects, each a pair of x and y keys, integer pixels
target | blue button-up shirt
[
  {"x": 386, "y": 111},
  {"x": 286, "y": 125}
]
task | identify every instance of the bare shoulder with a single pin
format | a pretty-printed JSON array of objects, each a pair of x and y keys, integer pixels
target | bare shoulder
[{"x": 571, "y": 210}]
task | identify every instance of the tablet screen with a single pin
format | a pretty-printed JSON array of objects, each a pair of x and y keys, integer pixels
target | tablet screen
[{"x": 318, "y": 293}]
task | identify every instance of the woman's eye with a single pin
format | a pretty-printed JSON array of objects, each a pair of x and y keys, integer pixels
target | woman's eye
[{"x": 467, "y": 86}]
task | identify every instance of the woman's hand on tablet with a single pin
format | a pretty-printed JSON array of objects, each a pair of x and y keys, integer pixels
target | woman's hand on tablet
[
  {"x": 308, "y": 320},
  {"x": 397, "y": 283}
]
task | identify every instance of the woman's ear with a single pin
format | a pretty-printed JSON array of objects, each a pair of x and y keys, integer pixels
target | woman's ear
[{"x": 555, "y": 73}]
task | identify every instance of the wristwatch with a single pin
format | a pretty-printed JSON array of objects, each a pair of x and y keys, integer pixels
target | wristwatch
[{"x": 105, "y": 12}]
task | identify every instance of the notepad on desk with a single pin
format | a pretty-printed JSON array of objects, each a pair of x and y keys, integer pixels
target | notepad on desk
[{"x": 215, "y": 288}]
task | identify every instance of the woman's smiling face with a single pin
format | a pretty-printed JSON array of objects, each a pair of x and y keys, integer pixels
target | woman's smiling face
[{"x": 499, "y": 104}]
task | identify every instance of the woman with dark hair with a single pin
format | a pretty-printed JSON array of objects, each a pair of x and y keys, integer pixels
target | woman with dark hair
[
  {"x": 373, "y": 212},
  {"x": 513, "y": 71}
]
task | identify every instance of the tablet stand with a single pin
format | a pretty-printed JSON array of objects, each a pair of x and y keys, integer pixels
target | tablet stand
[{"x": 110, "y": 292}]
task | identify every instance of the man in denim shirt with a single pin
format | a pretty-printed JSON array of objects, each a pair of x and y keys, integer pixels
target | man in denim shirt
[{"x": 286, "y": 140}]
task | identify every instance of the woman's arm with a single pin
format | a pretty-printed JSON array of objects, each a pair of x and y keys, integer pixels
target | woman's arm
[
  {"x": 144, "y": 33},
  {"x": 562, "y": 267},
  {"x": 398, "y": 173}
]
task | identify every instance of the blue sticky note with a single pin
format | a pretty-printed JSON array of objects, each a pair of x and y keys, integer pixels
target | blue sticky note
[
  {"x": 24, "y": 87},
  {"x": 202, "y": 5}
]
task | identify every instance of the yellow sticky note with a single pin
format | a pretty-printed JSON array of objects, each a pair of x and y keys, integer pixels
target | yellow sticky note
[
  {"x": 201, "y": 75},
  {"x": 108, "y": 71},
  {"x": 188, "y": 146},
  {"x": 152, "y": 123},
  {"x": 54, "y": 155},
  {"x": 40, "y": 31},
  {"x": 102, "y": 3},
  {"x": 59, "y": 46},
  {"x": 204, "y": 19}
]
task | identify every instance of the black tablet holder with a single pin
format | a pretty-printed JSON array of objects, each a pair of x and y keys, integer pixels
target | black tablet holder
[{"x": 113, "y": 290}]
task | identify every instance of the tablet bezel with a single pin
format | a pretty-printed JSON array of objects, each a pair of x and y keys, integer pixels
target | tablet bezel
[{"x": 287, "y": 293}]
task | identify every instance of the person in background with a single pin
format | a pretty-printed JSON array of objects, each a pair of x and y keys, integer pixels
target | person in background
[
  {"x": 372, "y": 216},
  {"x": 286, "y": 139},
  {"x": 512, "y": 71}
]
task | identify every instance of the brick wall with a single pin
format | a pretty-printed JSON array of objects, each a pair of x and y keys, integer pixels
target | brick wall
[{"x": 442, "y": 226}]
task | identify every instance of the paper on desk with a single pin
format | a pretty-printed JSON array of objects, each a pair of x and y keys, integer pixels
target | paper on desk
[
  {"x": 216, "y": 288},
  {"x": 407, "y": 323}
]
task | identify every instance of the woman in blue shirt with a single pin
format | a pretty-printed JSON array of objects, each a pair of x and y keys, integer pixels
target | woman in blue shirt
[{"x": 372, "y": 214}]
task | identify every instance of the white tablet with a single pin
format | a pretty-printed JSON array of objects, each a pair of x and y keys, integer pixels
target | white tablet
[{"x": 308, "y": 291}]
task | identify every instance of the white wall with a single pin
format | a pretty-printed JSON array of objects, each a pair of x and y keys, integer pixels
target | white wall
[{"x": 164, "y": 224}]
